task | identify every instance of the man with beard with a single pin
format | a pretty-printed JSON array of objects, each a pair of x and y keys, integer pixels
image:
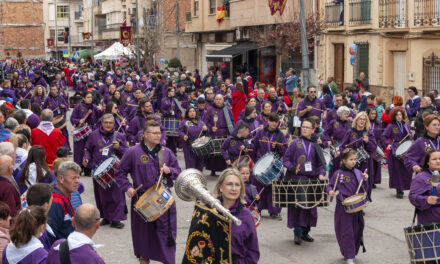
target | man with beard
[{"x": 311, "y": 106}]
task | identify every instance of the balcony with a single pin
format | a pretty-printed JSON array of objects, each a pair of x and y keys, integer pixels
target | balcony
[
  {"x": 392, "y": 14},
  {"x": 360, "y": 12},
  {"x": 112, "y": 27},
  {"x": 426, "y": 13},
  {"x": 78, "y": 15},
  {"x": 334, "y": 13}
]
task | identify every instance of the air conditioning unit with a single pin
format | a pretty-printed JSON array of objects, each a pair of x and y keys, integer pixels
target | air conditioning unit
[
  {"x": 245, "y": 34},
  {"x": 238, "y": 33}
]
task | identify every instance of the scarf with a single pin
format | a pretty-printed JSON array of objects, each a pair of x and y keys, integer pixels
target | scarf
[{"x": 46, "y": 127}]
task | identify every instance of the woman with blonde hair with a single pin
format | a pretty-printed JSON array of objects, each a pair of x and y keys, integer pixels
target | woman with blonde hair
[
  {"x": 38, "y": 95},
  {"x": 230, "y": 190}
]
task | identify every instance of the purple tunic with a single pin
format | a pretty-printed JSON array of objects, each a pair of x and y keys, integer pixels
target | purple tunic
[
  {"x": 111, "y": 201},
  {"x": 298, "y": 217},
  {"x": 135, "y": 129},
  {"x": 332, "y": 114},
  {"x": 253, "y": 125},
  {"x": 263, "y": 119},
  {"x": 149, "y": 238},
  {"x": 316, "y": 103},
  {"x": 192, "y": 130},
  {"x": 231, "y": 148},
  {"x": 418, "y": 150},
  {"x": 412, "y": 106},
  {"x": 348, "y": 227},
  {"x": 278, "y": 103},
  {"x": 35, "y": 99},
  {"x": 53, "y": 103},
  {"x": 400, "y": 176},
  {"x": 81, "y": 87},
  {"x": 420, "y": 190},
  {"x": 36, "y": 253},
  {"x": 375, "y": 171},
  {"x": 170, "y": 109},
  {"x": 79, "y": 255}
]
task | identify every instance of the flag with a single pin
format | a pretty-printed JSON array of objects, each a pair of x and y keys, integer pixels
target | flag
[
  {"x": 220, "y": 14},
  {"x": 277, "y": 5},
  {"x": 126, "y": 36}
]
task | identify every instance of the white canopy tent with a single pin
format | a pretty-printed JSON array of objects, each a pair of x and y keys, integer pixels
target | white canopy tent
[{"x": 115, "y": 52}]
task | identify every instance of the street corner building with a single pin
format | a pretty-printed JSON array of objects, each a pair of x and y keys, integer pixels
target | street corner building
[{"x": 21, "y": 29}]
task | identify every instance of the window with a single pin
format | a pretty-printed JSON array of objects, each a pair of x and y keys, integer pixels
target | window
[
  {"x": 362, "y": 60},
  {"x": 52, "y": 33},
  {"x": 196, "y": 8},
  {"x": 62, "y": 11},
  {"x": 61, "y": 34},
  {"x": 212, "y": 7}
]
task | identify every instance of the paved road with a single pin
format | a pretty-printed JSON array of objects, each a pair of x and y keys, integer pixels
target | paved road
[{"x": 383, "y": 235}]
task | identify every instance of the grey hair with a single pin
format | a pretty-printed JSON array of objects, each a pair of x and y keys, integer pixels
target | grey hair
[
  {"x": 46, "y": 115},
  {"x": 11, "y": 123},
  {"x": 7, "y": 148},
  {"x": 68, "y": 165},
  {"x": 129, "y": 82},
  {"x": 108, "y": 115},
  {"x": 221, "y": 179},
  {"x": 86, "y": 216},
  {"x": 341, "y": 110}
]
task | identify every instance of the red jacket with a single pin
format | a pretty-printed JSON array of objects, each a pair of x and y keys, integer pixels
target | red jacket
[
  {"x": 238, "y": 104},
  {"x": 50, "y": 142}
]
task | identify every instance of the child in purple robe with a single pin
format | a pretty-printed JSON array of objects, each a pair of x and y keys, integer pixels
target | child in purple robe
[
  {"x": 25, "y": 247},
  {"x": 250, "y": 193},
  {"x": 348, "y": 226},
  {"x": 235, "y": 145}
]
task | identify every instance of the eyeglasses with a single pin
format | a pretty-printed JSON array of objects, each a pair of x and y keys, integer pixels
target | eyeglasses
[
  {"x": 155, "y": 133},
  {"x": 313, "y": 92},
  {"x": 108, "y": 123},
  {"x": 362, "y": 119},
  {"x": 307, "y": 127}
]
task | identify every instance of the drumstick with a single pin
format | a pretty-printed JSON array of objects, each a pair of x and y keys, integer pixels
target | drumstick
[
  {"x": 360, "y": 184},
  {"x": 255, "y": 130},
  {"x": 239, "y": 155},
  {"x": 404, "y": 138},
  {"x": 261, "y": 191},
  {"x": 272, "y": 142},
  {"x": 353, "y": 142},
  {"x": 318, "y": 109},
  {"x": 201, "y": 131},
  {"x": 137, "y": 188},
  {"x": 160, "y": 178},
  {"x": 301, "y": 160},
  {"x": 334, "y": 187}
]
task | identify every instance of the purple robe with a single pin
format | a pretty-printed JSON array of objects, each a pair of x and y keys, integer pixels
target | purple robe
[
  {"x": 78, "y": 254},
  {"x": 348, "y": 227},
  {"x": 40, "y": 81},
  {"x": 136, "y": 129},
  {"x": 170, "y": 109},
  {"x": 253, "y": 125},
  {"x": 263, "y": 119},
  {"x": 332, "y": 114},
  {"x": 81, "y": 87},
  {"x": 316, "y": 103},
  {"x": 119, "y": 81},
  {"x": 420, "y": 190},
  {"x": 231, "y": 148},
  {"x": 412, "y": 106},
  {"x": 296, "y": 216},
  {"x": 192, "y": 130},
  {"x": 400, "y": 176},
  {"x": 375, "y": 171},
  {"x": 250, "y": 193},
  {"x": 53, "y": 103},
  {"x": 149, "y": 238},
  {"x": 111, "y": 201},
  {"x": 418, "y": 150},
  {"x": 35, "y": 99},
  {"x": 33, "y": 250},
  {"x": 259, "y": 103},
  {"x": 278, "y": 103},
  {"x": 78, "y": 113}
]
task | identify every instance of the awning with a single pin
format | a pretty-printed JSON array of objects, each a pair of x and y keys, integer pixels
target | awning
[{"x": 228, "y": 53}]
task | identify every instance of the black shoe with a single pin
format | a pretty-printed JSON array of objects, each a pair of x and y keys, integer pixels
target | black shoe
[
  {"x": 70, "y": 153},
  {"x": 117, "y": 224},
  {"x": 297, "y": 239},
  {"x": 276, "y": 216},
  {"x": 105, "y": 222},
  {"x": 374, "y": 186},
  {"x": 306, "y": 237},
  {"x": 212, "y": 173}
]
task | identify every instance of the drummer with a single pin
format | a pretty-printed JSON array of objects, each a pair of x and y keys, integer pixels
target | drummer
[
  {"x": 189, "y": 130},
  {"x": 412, "y": 105},
  {"x": 266, "y": 108},
  {"x": 251, "y": 195},
  {"x": 135, "y": 127},
  {"x": 79, "y": 119},
  {"x": 220, "y": 129},
  {"x": 269, "y": 139},
  {"x": 249, "y": 118},
  {"x": 398, "y": 132},
  {"x": 348, "y": 226},
  {"x": 421, "y": 192},
  {"x": 236, "y": 145},
  {"x": 103, "y": 143},
  {"x": 429, "y": 141},
  {"x": 304, "y": 160},
  {"x": 376, "y": 166},
  {"x": 333, "y": 114},
  {"x": 131, "y": 108},
  {"x": 230, "y": 190},
  {"x": 311, "y": 105},
  {"x": 201, "y": 108},
  {"x": 170, "y": 108},
  {"x": 38, "y": 95},
  {"x": 151, "y": 240}
]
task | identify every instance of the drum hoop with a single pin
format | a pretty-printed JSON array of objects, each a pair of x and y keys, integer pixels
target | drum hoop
[
  {"x": 359, "y": 197},
  {"x": 112, "y": 162},
  {"x": 274, "y": 158},
  {"x": 404, "y": 144}
]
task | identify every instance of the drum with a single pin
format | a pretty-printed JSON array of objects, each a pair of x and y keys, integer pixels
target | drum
[
  {"x": 423, "y": 243},
  {"x": 202, "y": 146},
  {"x": 328, "y": 159},
  {"x": 171, "y": 125},
  {"x": 152, "y": 204},
  {"x": 245, "y": 160},
  {"x": 255, "y": 215},
  {"x": 378, "y": 155},
  {"x": 217, "y": 143},
  {"x": 355, "y": 203},
  {"x": 303, "y": 193},
  {"x": 268, "y": 168},
  {"x": 81, "y": 133},
  {"x": 402, "y": 149},
  {"x": 104, "y": 173},
  {"x": 59, "y": 122},
  {"x": 74, "y": 100},
  {"x": 362, "y": 155}
]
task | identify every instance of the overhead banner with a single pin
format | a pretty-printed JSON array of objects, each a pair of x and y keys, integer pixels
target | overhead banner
[
  {"x": 126, "y": 36},
  {"x": 50, "y": 43},
  {"x": 277, "y": 5},
  {"x": 86, "y": 35}
]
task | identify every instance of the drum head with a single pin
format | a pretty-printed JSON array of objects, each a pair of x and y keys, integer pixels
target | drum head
[
  {"x": 402, "y": 148},
  {"x": 104, "y": 166},
  {"x": 263, "y": 164},
  {"x": 353, "y": 198},
  {"x": 200, "y": 141}
]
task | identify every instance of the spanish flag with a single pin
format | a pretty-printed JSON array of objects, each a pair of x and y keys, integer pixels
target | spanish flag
[{"x": 220, "y": 14}]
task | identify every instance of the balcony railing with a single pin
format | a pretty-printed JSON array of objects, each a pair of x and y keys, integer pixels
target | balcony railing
[
  {"x": 392, "y": 14},
  {"x": 360, "y": 12},
  {"x": 426, "y": 13},
  {"x": 78, "y": 15},
  {"x": 334, "y": 13}
]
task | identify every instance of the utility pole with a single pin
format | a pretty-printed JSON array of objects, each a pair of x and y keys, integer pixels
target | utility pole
[
  {"x": 137, "y": 38},
  {"x": 177, "y": 30},
  {"x": 93, "y": 30},
  {"x": 68, "y": 37},
  {"x": 56, "y": 30},
  {"x": 304, "y": 47}
]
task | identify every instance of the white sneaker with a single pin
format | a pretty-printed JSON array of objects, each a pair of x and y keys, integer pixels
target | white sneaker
[{"x": 350, "y": 261}]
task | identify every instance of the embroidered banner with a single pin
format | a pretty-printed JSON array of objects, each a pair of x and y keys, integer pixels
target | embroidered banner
[
  {"x": 86, "y": 35},
  {"x": 209, "y": 238},
  {"x": 125, "y": 36},
  {"x": 277, "y": 5},
  {"x": 50, "y": 43}
]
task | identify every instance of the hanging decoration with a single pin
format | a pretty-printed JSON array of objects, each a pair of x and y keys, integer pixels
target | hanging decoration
[
  {"x": 220, "y": 14},
  {"x": 277, "y": 5},
  {"x": 126, "y": 36}
]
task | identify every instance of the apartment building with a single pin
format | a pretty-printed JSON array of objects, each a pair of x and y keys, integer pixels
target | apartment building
[{"x": 398, "y": 44}]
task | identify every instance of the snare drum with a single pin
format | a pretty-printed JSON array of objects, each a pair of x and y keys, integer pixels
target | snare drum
[
  {"x": 355, "y": 203},
  {"x": 378, "y": 155},
  {"x": 171, "y": 125},
  {"x": 303, "y": 193},
  {"x": 59, "y": 122},
  {"x": 255, "y": 215},
  {"x": 268, "y": 168},
  {"x": 153, "y": 204},
  {"x": 402, "y": 149},
  {"x": 423, "y": 243},
  {"x": 203, "y": 146},
  {"x": 81, "y": 133},
  {"x": 104, "y": 173},
  {"x": 217, "y": 143},
  {"x": 362, "y": 155}
]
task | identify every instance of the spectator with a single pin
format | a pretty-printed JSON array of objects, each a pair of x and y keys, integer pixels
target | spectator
[
  {"x": 378, "y": 103},
  {"x": 5, "y": 222},
  {"x": 363, "y": 94},
  {"x": 9, "y": 192},
  {"x": 238, "y": 101},
  {"x": 11, "y": 124},
  {"x": 4, "y": 133},
  {"x": 20, "y": 116},
  {"x": 26, "y": 107},
  {"x": 79, "y": 245},
  {"x": 61, "y": 211},
  {"x": 291, "y": 81},
  {"x": 332, "y": 85},
  {"x": 35, "y": 170},
  {"x": 425, "y": 109}
]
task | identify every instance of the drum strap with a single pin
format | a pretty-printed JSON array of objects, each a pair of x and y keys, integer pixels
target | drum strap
[
  {"x": 320, "y": 155},
  {"x": 228, "y": 120},
  {"x": 141, "y": 122},
  {"x": 414, "y": 217},
  {"x": 179, "y": 105},
  {"x": 253, "y": 191}
]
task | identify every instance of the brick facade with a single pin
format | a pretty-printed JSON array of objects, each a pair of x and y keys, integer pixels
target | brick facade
[
  {"x": 21, "y": 28},
  {"x": 170, "y": 14}
]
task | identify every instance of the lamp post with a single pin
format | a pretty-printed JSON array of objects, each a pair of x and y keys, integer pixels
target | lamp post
[
  {"x": 137, "y": 37},
  {"x": 93, "y": 30},
  {"x": 304, "y": 46}
]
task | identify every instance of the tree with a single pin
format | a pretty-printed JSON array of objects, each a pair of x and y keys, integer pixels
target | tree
[{"x": 174, "y": 63}]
